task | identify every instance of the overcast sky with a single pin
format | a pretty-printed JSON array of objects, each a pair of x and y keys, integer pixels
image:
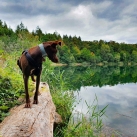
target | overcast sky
[{"x": 90, "y": 19}]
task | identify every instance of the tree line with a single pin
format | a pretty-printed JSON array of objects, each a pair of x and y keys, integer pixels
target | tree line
[{"x": 74, "y": 50}]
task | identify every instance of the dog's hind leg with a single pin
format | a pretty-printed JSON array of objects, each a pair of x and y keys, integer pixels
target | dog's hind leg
[
  {"x": 26, "y": 91},
  {"x": 32, "y": 78},
  {"x": 37, "y": 90}
]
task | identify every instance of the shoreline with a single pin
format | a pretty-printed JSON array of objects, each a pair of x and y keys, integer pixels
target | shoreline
[{"x": 97, "y": 64}]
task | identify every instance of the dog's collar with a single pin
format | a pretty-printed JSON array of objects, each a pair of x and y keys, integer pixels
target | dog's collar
[{"x": 41, "y": 46}]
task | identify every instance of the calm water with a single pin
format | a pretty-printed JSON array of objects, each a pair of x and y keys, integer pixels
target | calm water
[
  {"x": 122, "y": 110},
  {"x": 113, "y": 86}
]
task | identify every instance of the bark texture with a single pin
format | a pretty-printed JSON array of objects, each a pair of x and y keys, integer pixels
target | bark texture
[{"x": 37, "y": 121}]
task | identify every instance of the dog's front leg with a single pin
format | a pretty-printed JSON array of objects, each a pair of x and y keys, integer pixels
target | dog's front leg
[
  {"x": 37, "y": 90},
  {"x": 26, "y": 91}
]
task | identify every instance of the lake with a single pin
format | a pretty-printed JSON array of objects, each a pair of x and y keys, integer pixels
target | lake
[{"x": 114, "y": 86}]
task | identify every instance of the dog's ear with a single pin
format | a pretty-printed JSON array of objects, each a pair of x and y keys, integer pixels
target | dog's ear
[
  {"x": 59, "y": 43},
  {"x": 55, "y": 43}
]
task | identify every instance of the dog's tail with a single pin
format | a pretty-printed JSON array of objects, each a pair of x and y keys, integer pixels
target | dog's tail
[{"x": 18, "y": 63}]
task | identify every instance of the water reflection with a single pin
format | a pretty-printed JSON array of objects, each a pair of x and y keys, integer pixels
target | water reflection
[
  {"x": 122, "y": 110},
  {"x": 113, "y": 85}
]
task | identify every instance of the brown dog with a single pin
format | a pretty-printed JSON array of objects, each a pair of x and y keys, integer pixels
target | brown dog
[{"x": 31, "y": 64}]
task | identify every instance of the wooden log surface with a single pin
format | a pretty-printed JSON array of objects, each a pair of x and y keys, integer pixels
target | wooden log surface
[{"x": 37, "y": 121}]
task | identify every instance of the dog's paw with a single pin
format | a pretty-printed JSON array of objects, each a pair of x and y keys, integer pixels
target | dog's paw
[
  {"x": 27, "y": 105},
  {"x": 35, "y": 102}
]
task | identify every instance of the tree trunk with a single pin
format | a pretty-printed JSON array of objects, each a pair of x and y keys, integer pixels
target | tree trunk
[{"x": 37, "y": 121}]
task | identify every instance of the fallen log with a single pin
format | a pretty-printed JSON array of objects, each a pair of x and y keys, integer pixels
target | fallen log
[{"x": 37, "y": 121}]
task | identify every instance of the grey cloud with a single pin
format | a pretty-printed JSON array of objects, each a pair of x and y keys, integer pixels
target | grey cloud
[
  {"x": 91, "y": 19},
  {"x": 33, "y": 8},
  {"x": 112, "y": 12}
]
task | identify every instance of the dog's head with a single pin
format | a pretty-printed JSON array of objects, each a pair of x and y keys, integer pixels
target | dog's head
[{"x": 51, "y": 50}]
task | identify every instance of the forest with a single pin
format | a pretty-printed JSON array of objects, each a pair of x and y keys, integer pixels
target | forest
[{"x": 74, "y": 50}]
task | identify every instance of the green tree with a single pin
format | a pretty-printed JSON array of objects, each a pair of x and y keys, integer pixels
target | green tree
[
  {"x": 94, "y": 46},
  {"x": 85, "y": 55},
  {"x": 124, "y": 56},
  {"x": 134, "y": 56},
  {"x": 104, "y": 51},
  {"x": 21, "y": 28},
  {"x": 76, "y": 53},
  {"x": 117, "y": 57},
  {"x": 39, "y": 32},
  {"x": 5, "y": 30},
  {"x": 65, "y": 55}
]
